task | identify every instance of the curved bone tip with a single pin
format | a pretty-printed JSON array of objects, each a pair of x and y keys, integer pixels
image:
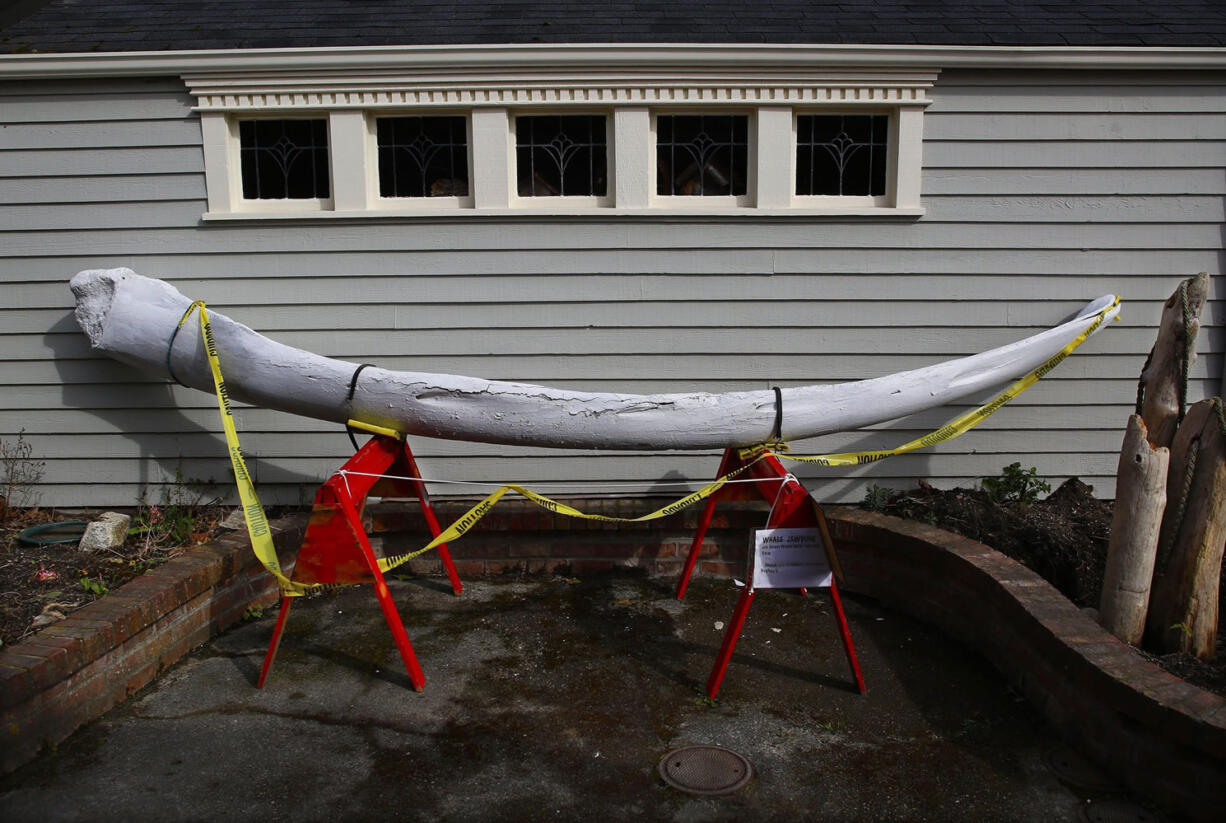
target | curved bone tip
[
  {"x": 1095, "y": 306},
  {"x": 94, "y": 290}
]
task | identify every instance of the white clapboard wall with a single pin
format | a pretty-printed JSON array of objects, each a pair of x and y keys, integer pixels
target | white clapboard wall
[{"x": 1042, "y": 190}]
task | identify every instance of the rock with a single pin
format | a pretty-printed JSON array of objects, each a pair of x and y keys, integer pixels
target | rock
[
  {"x": 47, "y": 618},
  {"x": 109, "y": 531},
  {"x": 235, "y": 520}
]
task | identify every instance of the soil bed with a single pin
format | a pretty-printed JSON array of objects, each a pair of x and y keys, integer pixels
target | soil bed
[
  {"x": 40, "y": 584},
  {"x": 1062, "y": 538}
]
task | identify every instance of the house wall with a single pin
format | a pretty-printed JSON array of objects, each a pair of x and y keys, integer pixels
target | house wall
[{"x": 1043, "y": 190}]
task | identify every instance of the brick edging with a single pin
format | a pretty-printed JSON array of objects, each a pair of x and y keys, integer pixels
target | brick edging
[
  {"x": 73, "y": 671},
  {"x": 1149, "y": 729}
]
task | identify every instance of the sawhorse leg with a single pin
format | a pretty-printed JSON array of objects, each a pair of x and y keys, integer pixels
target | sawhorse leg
[
  {"x": 848, "y": 648},
  {"x": 390, "y": 614},
  {"x": 729, "y": 645},
  {"x": 427, "y": 509},
  {"x": 277, "y": 630},
  {"x": 701, "y": 532}
]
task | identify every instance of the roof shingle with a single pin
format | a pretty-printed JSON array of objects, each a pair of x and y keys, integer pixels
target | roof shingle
[{"x": 160, "y": 25}]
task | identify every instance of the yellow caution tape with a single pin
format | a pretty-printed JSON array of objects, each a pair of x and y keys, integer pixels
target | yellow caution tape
[
  {"x": 955, "y": 428},
  {"x": 469, "y": 519},
  {"x": 257, "y": 522},
  {"x": 265, "y": 550},
  {"x": 373, "y": 429}
]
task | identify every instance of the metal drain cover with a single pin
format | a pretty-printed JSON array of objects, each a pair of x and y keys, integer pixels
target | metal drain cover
[
  {"x": 1078, "y": 772},
  {"x": 1113, "y": 810},
  {"x": 705, "y": 770}
]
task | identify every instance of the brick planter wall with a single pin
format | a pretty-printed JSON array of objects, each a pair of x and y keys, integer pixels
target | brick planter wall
[
  {"x": 73, "y": 671},
  {"x": 1151, "y": 730}
]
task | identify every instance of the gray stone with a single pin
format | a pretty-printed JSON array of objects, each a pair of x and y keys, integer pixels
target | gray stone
[
  {"x": 109, "y": 531},
  {"x": 235, "y": 520}
]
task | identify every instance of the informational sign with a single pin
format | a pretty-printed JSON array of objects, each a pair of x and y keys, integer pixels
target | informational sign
[{"x": 789, "y": 559}]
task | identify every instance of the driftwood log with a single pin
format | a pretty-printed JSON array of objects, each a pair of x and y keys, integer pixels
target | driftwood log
[
  {"x": 1140, "y": 498},
  {"x": 1183, "y": 609},
  {"x": 1162, "y": 393}
]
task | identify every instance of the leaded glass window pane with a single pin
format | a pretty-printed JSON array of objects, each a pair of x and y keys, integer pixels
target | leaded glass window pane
[
  {"x": 702, "y": 155},
  {"x": 422, "y": 156},
  {"x": 284, "y": 159},
  {"x": 561, "y": 156},
  {"x": 841, "y": 154}
]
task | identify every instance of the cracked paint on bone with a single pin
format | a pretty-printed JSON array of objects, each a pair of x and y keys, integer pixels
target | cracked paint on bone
[{"x": 131, "y": 318}]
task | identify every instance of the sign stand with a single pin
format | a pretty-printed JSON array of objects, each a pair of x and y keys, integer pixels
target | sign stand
[
  {"x": 336, "y": 548},
  {"x": 792, "y": 508}
]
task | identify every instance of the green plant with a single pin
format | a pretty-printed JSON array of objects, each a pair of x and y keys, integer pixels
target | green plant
[
  {"x": 876, "y": 497},
  {"x": 1015, "y": 485},
  {"x": 252, "y": 613},
  {"x": 97, "y": 587},
  {"x": 20, "y": 473},
  {"x": 185, "y": 511}
]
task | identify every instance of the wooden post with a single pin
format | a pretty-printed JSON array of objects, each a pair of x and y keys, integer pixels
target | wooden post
[
  {"x": 1161, "y": 394},
  {"x": 1140, "y": 498},
  {"x": 1183, "y": 610}
]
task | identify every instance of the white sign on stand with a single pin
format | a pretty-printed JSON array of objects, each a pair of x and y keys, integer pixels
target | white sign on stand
[{"x": 789, "y": 559}]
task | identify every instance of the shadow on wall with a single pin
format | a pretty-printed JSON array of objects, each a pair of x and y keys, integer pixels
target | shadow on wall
[{"x": 157, "y": 463}]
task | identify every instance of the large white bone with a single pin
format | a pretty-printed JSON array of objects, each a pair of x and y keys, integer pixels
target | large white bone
[{"x": 133, "y": 319}]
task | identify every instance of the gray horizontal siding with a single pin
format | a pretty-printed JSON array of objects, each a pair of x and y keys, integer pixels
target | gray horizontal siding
[
  {"x": 115, "y": 188},
  {"x": 519, "y": 313},
  {"x": 1018, "y": 213},
  {"x": 1042, "y": 191},
  {"x": 584, "y": 234},
  {"x": 659, "y": 273}
]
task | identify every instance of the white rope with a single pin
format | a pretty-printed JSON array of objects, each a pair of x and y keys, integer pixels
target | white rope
[{"x": 779, "y": 492}]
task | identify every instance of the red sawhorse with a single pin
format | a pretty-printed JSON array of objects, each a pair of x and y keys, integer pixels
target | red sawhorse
[
  {"x": 336, "y": 549},
  {"x": 792, "y": 508}
]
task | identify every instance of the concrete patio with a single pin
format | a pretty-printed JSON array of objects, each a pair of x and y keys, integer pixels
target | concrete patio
[{"x": 553, "y": 697}]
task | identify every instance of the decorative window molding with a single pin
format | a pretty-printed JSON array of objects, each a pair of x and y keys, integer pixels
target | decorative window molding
[{"x": 354, "y": 102}]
